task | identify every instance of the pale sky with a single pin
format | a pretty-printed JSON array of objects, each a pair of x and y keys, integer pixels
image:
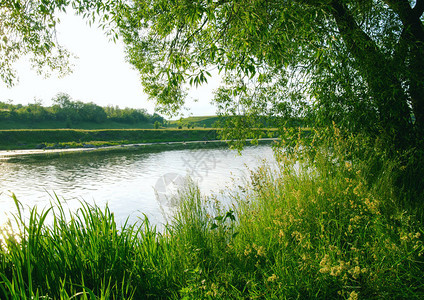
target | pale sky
[{"x": 100, "y": 75}]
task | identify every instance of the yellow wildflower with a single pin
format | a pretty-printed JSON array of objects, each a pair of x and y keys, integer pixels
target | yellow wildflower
[
  {"x": 272, "y": 278},
  {"x": 353, "y": 296}
]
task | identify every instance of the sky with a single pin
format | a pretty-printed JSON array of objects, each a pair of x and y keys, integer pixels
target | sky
[{"x": 100, "y": 75}]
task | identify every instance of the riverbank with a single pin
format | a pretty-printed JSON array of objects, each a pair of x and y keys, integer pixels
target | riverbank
[
  {"x": 49, "y": 139},
  {"x": 139, "y": 147},
  {"x": 330, "y": 226},
  {"x": 11, "y": 155},
  {"x": 75, "y": 138}
]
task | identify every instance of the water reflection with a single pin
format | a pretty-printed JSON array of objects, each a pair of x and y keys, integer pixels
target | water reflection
[{"x": 125, "y": 181}]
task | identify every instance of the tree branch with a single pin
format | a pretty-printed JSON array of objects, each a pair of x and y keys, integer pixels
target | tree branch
[
  {"x": 418, "y": 8},
  {"x": 361, "y": 46},
  {"x": 402, "y": 8},
  {"x": 410, "y": 17},
  {"x": 374, "y": 67}
]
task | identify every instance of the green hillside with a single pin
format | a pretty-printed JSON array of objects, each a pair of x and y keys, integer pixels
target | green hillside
[{"x": 195, "y": 121}]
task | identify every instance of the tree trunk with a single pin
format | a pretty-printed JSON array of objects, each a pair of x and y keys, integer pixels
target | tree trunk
[
  {"x": 416, "y": 88},
  {"x": 413, "y": 39},
  {"x": 385, "y": 87}
]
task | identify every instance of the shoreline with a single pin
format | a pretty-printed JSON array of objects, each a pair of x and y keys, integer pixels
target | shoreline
[{"x": 6, "y": 155}]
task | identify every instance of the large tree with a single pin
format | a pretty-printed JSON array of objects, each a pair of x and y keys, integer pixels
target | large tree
[{"x": 359, "y": 63}]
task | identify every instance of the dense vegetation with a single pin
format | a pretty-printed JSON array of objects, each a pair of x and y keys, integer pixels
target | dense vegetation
[{"x": 72, "y": 113}]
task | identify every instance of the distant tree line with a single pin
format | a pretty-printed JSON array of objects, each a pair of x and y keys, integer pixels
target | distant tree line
[{"x": 65, "y": 109}]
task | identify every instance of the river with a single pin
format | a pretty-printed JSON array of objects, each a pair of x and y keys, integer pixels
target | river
[{"x": 131, "y": 184}]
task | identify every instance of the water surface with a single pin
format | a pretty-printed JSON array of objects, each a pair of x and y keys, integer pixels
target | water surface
[{"x": 132, "y": 184}]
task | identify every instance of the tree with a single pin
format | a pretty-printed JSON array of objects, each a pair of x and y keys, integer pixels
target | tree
[
  {"x": 359, "y": 63},
  {"x": 64, "y": 108},
  {"x": 28, "y": 28}
]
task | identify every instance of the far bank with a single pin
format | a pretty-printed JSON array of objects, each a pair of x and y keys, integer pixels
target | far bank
[{"x": 77, "y": 138}]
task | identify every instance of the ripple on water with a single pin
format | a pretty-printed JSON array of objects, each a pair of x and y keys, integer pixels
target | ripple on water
[{"x": 125, "y": 181}]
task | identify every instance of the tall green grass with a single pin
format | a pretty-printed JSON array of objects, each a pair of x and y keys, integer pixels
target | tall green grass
[{"x": 330, "y": 222}]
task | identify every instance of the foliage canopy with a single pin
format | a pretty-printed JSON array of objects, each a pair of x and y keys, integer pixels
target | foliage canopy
[{"x": 357, "y": 63}]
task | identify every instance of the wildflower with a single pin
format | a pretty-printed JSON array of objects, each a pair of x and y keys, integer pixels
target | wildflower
[
  {"x": 355, "y": 272},
  {"x": 296, "y": 194},
  {"x": 348, "y": 165},
  {"x": 278, "y": 212},
  {"x": 372, "y": 206},
  {"x": 298, "y": 236},
  {"x": 272, "y": 278},
  {"x": 353, "y": 296},
  {"x": 325, "y": 264},
  {"x": 325, "y": 269},
  {"x": 356, "y": 189},
  {"x": 336, "y": 270},
  {"x": 278, "y": 223},
  {"x": 355, "y": 219},
  {"x": 261, "y": 251},
  {"x": 403, "y": 237},
  {"x": 332, "y": 248}
]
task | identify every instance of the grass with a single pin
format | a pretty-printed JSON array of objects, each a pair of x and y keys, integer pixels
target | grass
[
  {"x": 324, "y": 225},
  {"x": 29, "y": 139},
  {"x": 197, "y": 121}
]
